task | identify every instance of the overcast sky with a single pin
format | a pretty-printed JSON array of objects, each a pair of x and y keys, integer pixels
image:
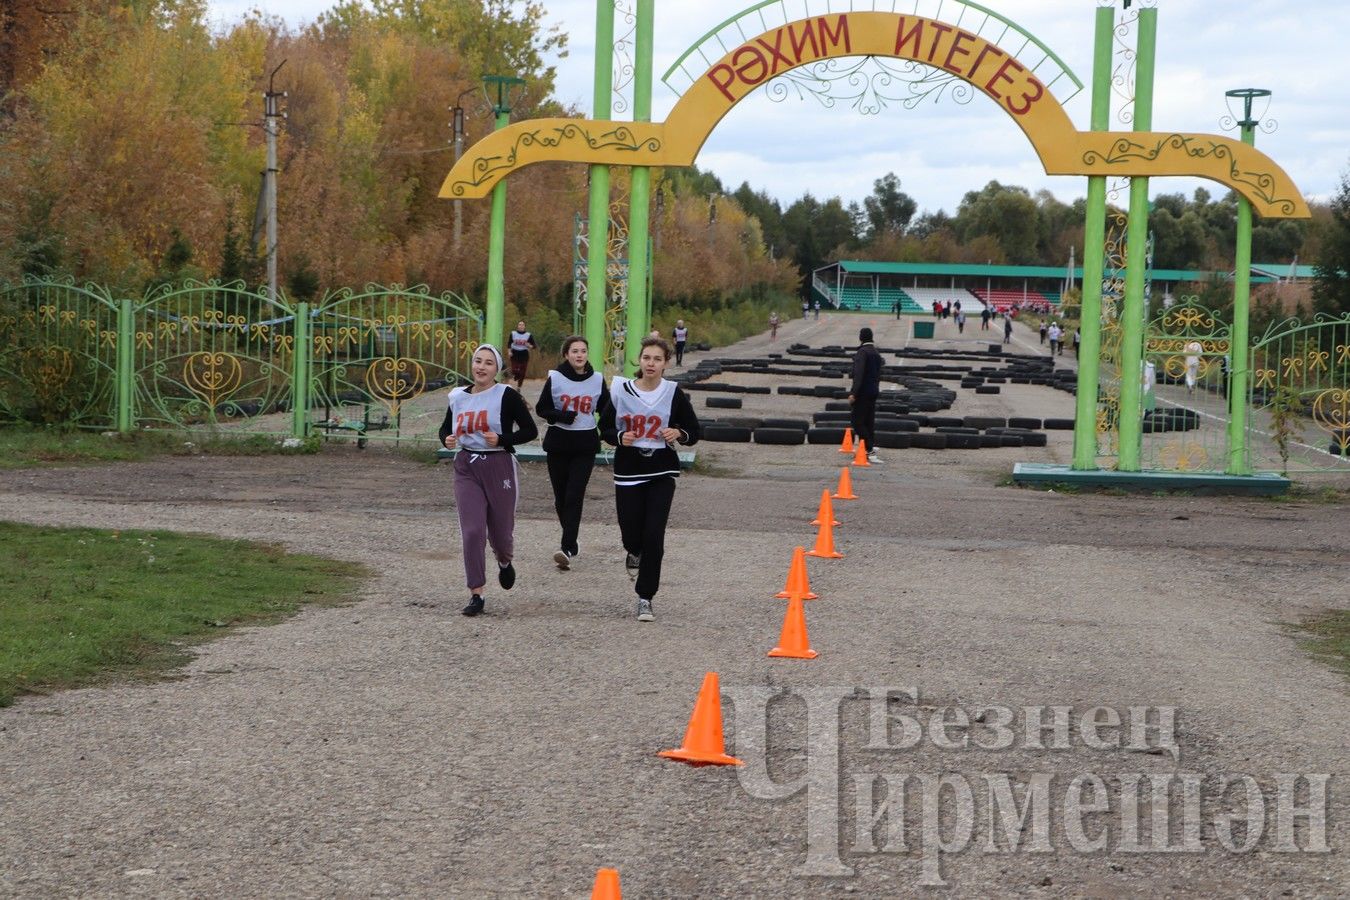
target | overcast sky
[{"x": 941, "y": 150}]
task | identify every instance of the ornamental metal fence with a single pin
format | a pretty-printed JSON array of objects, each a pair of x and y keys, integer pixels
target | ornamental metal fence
[{"x": 228, "y": 357}]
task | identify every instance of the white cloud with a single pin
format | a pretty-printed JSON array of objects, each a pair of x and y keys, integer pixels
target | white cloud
[{"x": 942, "y": 151}]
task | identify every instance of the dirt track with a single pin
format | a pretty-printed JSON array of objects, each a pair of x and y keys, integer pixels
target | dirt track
[{"x": 395, "y": 748}]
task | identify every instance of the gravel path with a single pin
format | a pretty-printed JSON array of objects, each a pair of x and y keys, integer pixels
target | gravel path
[{"x": 394, "y": 748}]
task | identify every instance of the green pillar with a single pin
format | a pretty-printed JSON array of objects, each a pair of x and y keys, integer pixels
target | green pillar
[
  {"x": 495, "y": 328},
  {"x": 126, "y": 351},
  {"x": 300, "y": 365},
  {"x": 1094, "y": 258},
  {"x": 1132, "y": 311},
  {"x": 639, "y": 309},
  {"x": 1240, "y": 353},
  {"x": 597, "y": 228}
]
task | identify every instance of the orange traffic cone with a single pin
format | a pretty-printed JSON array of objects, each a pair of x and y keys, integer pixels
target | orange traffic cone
[
  {"x": 824, "y": 548},
  {"x": 793, "y": 642},
  {"x": 847, "y": 445},
  {"x": 798, "y": 583},
  {"x": 826, "y": 510},
  {"x": 703, "y": 744},
  {"x": 606, "y": 885},
  {"x": 860, "y": 457},
  {"x": 845, "y": 489}
]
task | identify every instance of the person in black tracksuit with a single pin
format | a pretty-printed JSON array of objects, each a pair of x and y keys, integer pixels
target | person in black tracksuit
[
  {"x": 644, "y": 419},
  {"x": 573, "y": 395},
  {"x": 862, "y": 396}
]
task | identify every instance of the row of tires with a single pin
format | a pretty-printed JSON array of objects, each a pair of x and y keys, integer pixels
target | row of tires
[{"x": 954, "y": 439}]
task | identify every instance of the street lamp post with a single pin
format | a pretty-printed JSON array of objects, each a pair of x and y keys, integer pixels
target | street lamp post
[
  {"x": 1239, "y": 352},
  {"x": 494, "y": 328}
]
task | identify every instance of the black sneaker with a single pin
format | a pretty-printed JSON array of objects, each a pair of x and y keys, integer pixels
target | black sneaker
[
  {"x": 644, "y": 611},
  {"x": 632, "y": 562},
  {"x": 475, "y": 606},
  {"x": 506, "y": 576}
]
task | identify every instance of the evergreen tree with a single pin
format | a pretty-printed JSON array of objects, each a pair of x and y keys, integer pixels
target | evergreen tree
[{"x": 1331, "y": 279}]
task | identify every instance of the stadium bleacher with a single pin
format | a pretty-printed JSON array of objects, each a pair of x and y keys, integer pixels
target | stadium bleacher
[
  {"x": 1001, "y": 301},
  {"x": 866, "y": 298},
  {"x": 926, "y": 297}
]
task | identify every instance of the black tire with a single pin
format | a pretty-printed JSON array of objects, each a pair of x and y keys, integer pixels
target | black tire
[
  {"x": 1033, "y": 424},
  {"x": 1058, "y": 424},
  {"x": 894, "y": 426},
  {"x": 963, "y": 441},
  {"x": 781, "y": 436},
  {"x": 1034, "y": 439},
  {"x": 926, "y": 441},
  {"x": 726, "y": 434},
  {"x": 895, "y": 440},
  {"x": 983, "y": 422},
  {"x": 1010, "y": 440},
  {"x": 838, "y": 406},
  {"x": 799, "y": 424},
  {"x": 991, "y": 441},
  {"x": 743, "y": 422},
  {"x": 724, "y": 402},
  {"x": 955, "y": 429},
  {"x": 945, "y": 422},
  {"x": 988, "y": 389},
  {"x": 830, "y": 436}
]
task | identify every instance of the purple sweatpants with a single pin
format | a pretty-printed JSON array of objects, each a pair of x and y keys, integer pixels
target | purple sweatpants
[{"x": 485, "y": 494}]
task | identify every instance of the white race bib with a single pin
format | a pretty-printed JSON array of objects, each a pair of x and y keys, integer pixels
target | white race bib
[{"x": 644, "y": 412}]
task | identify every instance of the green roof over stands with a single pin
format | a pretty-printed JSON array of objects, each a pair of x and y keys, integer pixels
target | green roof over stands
[{"x": 975, "y": 270}]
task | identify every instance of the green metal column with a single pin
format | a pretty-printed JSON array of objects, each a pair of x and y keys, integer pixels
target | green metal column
[
  {"x": 1239, "y": 356},
  {"x": 1094, "y": 258},
  {"x": 495, "y": 330},
  {"x": 639, "y": 309},
  {"x": 1132, "y": 310},
  {"x": 300, "y": 365},
  {"x": 597, "y": 227},
  {"x": 126, "y": 349}
]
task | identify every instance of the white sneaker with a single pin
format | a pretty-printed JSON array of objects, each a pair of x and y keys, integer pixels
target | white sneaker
[
  {"x": 874, "y": 459},
  {"x": 563, "y": 559}
]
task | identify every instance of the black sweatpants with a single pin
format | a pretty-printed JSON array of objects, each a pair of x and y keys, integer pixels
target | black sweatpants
[
  {"x": 570, "y": 473},
  {"x": 679, "y": 353},
  {"x": 864, "y": 420},
  {"x": 643, "y": 511}
]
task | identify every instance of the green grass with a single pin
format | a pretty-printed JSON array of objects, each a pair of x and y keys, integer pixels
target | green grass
[
  {"x": 79, "y": 605},
  {"x": 1328, "y": 637},
  {"x": 22, "y": 447}
]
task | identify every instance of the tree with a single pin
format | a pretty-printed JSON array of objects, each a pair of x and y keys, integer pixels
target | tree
[
  {"x": 1331, "y": 278},
  {"x": 889, "y": 209},
  {"x": 1007, "y": 214}
]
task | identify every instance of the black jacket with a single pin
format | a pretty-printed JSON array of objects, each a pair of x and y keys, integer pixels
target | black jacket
[
  {"x": 866, "y": 373},
  {"x": 517, "y": 424},
  {"x": 560, "y": 440},
  {"x": 635, "y": 464}
]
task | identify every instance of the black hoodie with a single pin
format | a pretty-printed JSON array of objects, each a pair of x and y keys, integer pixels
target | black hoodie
[{"x": 561, "y": 440}]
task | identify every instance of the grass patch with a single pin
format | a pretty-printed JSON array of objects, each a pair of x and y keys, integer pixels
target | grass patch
[
  {"x": 1328, "y": 637},
  {"x": 22, "y": 447},
  {"x": 80, "y": 605}
]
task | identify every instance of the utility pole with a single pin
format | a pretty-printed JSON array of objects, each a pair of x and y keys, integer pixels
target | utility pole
[
  {"x": 457, "y": 128},
  {"x": 271, "y": 113}
]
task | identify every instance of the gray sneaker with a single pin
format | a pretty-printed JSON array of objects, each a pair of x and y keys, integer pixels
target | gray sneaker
[
  {"x": 645, "y": 613},
  {"x": 631, "y": 563},
  {"x": 563, "y": 559}
]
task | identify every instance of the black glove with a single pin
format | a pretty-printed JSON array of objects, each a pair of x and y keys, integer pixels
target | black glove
[{"x": 567, "y": 417}]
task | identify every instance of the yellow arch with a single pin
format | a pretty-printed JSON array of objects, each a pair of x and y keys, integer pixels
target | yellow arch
[{"x": 1062, "y": 149}]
